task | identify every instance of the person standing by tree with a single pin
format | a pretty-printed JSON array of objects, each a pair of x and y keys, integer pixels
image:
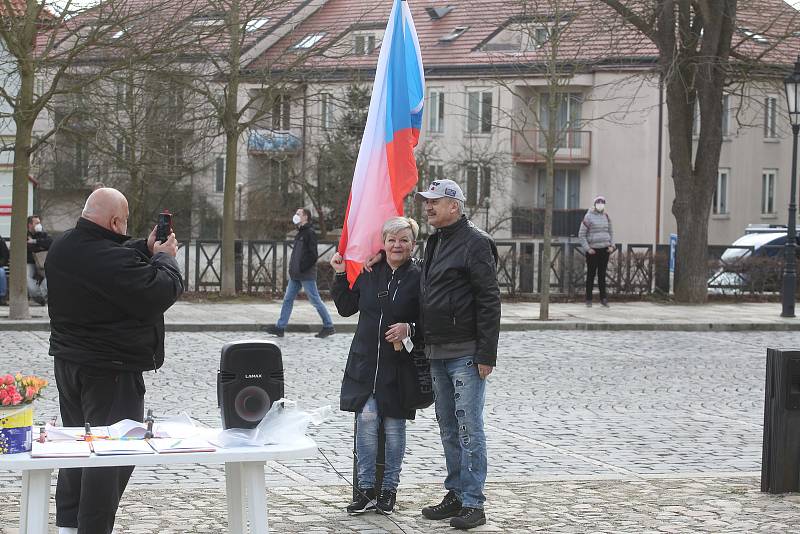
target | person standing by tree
[
  {"x": 38, "y": 241},
  {"x": 303, "y": 274},
  {"x": 597, "y": 241}
]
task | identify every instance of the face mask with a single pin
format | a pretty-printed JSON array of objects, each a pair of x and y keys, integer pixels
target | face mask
[
  {"x": 38, "y": 228},
  {"x": 295, "y": 219},
  {"x": 599, "y": 206}
]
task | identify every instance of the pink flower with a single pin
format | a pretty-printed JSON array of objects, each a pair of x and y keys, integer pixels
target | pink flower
[
  {"x": 3, "y": 394},
  {"x": 6, "y": 401},
  {"x": 8, "y": 380},
  {"x": 16, "y": 399},
  {"x": 12, "y": 390},
  {"x": 30, "y": 393}
]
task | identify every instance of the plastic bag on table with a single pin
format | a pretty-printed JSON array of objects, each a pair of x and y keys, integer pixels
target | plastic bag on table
[{"x": 283, "y": 423}]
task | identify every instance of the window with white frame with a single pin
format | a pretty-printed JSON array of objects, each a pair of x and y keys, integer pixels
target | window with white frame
[
  {"x": 479, "y": 184},
  {"x": 719, "y": 205},
  {"x": 123, "y": 150},
  {"x": 726, "y": 115},
  {"x": 436, "y": 111},
  {"x": 479, "y": 112},
  {"x": 81, "y": 158},
  {"x": 326, "y": 111},
  {"x": 364, "y": 44},
  {"x": 568, "y": 119},
  {"x": 770, "y": 116},
  {"x": 768, "y": 178},
  {"x": 566, "y": 189},
  {"x": 435, "y": 172},
  {"x": 219, "y": 175},
  {"x": 281, "y": 112}
]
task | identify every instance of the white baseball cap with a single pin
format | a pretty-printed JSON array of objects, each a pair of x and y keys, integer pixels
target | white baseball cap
[{"x": 442, "y": 189}]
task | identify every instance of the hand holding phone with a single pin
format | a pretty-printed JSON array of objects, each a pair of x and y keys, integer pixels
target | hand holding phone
[{"x": 164, "y": 227}]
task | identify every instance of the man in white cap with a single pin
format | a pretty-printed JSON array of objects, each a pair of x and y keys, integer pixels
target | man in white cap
[{"x": 460, "y": 304}]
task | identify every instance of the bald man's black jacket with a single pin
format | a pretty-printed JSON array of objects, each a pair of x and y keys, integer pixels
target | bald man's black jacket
[{"x": 107, "y": 298}]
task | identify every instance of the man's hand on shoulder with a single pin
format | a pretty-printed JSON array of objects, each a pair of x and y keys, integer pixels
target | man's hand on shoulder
[{"x": 170, "y": 246}]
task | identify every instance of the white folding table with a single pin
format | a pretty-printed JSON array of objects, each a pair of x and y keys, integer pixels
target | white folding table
[{"x": 244, "y": 479}]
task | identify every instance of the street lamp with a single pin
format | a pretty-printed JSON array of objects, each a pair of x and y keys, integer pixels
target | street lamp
[{"x": 792, "y": 84}]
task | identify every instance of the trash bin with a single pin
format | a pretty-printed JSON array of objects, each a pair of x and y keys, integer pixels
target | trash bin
[{"x": 780, "y": 462}]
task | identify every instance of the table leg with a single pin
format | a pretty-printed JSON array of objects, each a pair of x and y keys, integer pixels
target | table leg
[
  {"x": 234, "y": 489},
  {"x": 35, "y": 502},
  {"x": 253, "y": 477}
]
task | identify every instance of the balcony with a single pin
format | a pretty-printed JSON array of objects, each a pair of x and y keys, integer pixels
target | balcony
[
  {"x": 526, "y": 222},
  {"x": 530, "y": 146},
  {"x": 268, "y": 142}
]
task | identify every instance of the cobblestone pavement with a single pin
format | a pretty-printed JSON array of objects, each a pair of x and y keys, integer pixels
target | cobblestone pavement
[{"x": 587, "y": 432}]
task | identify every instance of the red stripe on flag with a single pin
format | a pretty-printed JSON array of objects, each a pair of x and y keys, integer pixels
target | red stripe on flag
[{"x": 402, "y": 165}]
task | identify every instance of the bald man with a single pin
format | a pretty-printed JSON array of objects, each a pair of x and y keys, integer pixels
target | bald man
[{"x": 107, "y": 298}]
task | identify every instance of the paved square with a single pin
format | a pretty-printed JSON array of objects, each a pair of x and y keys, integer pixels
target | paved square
[{"x": 587, "y": 432}]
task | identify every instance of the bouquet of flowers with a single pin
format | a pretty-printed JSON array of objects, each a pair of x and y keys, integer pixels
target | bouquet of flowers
[{"x": 18, "y": 389}]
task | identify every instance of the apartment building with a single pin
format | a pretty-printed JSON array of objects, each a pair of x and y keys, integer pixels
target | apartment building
[{"x": 489, "y": 98}]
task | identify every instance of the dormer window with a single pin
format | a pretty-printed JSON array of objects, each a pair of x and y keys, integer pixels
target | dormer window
[
  {"x": 457, "y": 32},
  {"x": 208, "y": 20},
  {"x": 309, "y": 41},
  {"x": 255, "y": 24},
  {"x": 436, "y": 13},
  {"x": 756, "y": 37},
  {"x": 363, "y": 44}
]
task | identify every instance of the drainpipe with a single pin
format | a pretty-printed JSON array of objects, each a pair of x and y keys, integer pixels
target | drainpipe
[{"x": 659, "y": 155}]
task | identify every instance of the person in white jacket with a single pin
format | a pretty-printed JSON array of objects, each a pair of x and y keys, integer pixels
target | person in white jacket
[{"x": 597, "y": 240}]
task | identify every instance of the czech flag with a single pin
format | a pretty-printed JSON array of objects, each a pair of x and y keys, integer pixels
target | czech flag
[{"x": 386, "y": 170}]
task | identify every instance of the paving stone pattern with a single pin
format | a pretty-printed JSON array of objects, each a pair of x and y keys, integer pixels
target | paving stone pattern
[{"x": 587, "y": 432}]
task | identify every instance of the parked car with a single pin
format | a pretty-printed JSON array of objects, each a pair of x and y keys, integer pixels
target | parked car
[{"x": 752, "y": 263}]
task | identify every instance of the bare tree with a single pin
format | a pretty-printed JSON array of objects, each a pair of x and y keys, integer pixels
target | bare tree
[
  {"x": 44, "y": 47},
  {"x": 695, "y": 42}
]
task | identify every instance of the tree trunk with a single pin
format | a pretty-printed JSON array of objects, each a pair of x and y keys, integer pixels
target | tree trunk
[
  {"x": 230, "y": 123},
  {"x": 547, "y": 238},
  {"x": 228, "y": 227},
  {"x": 24, "y": 117}
]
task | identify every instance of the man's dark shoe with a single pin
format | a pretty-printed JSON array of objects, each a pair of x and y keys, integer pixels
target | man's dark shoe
[
  {"x": 274, "y": 330},
  {"x": 449, "y": 507},
  {"x": 364, "y": 502},
  {"x": 468, "y": 518},
  {"x": 386, "y": 500},
  {"x": 325, "y": 332}
]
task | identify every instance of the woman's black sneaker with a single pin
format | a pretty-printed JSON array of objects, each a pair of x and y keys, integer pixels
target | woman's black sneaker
[
  {"x": 449, "y": 507},
  {"x": 386, "y": 500},
  {"x": 364, "y": 501},
  {"x": 468, "y": 518}
]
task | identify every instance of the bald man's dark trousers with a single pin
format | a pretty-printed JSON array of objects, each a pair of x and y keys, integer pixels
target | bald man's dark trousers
[{"x": 88, "y": 498}]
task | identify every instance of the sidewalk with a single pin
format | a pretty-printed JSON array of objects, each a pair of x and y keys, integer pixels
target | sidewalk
[{"x": 517, "y": 316}]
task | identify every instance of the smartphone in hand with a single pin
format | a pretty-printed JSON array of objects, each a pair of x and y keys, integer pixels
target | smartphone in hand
[{"x": 164, "y": 227}]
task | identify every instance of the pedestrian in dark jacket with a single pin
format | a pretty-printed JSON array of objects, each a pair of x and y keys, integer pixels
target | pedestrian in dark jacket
[
  {"x": 370, "y": 386},
  {"x": 460, "y": 303},
  {"x": 303, "y": 274},
  {"x": 38, "y": 241},
  {"x": 108, "y": 295}
]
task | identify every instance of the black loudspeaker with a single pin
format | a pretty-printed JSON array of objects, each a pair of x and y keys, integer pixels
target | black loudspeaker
[{"x": 249, "y": 380}]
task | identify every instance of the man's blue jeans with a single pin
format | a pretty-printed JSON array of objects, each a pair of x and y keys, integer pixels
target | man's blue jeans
[
  {"x": 310, "y": 287},
  {"x": 460, "y": 394},
  {"x": 367, "y": 423}
]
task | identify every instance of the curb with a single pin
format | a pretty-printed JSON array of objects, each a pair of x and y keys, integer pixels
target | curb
[{"x": 525, "y": 326}]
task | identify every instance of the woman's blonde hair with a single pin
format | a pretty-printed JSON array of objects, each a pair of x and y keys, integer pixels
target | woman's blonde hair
[{"x": 398, "y": 224}]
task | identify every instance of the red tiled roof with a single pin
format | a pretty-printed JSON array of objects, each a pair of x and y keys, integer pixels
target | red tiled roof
[{"x": 596, "y": 33}]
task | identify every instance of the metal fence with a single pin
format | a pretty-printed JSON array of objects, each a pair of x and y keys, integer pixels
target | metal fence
[{"x": 634, "y": 269}]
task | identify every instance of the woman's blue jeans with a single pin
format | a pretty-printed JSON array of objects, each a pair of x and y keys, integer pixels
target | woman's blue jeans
[
  {"x": 460, "y": 393},
  {"x": 367, "y": 423}
]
